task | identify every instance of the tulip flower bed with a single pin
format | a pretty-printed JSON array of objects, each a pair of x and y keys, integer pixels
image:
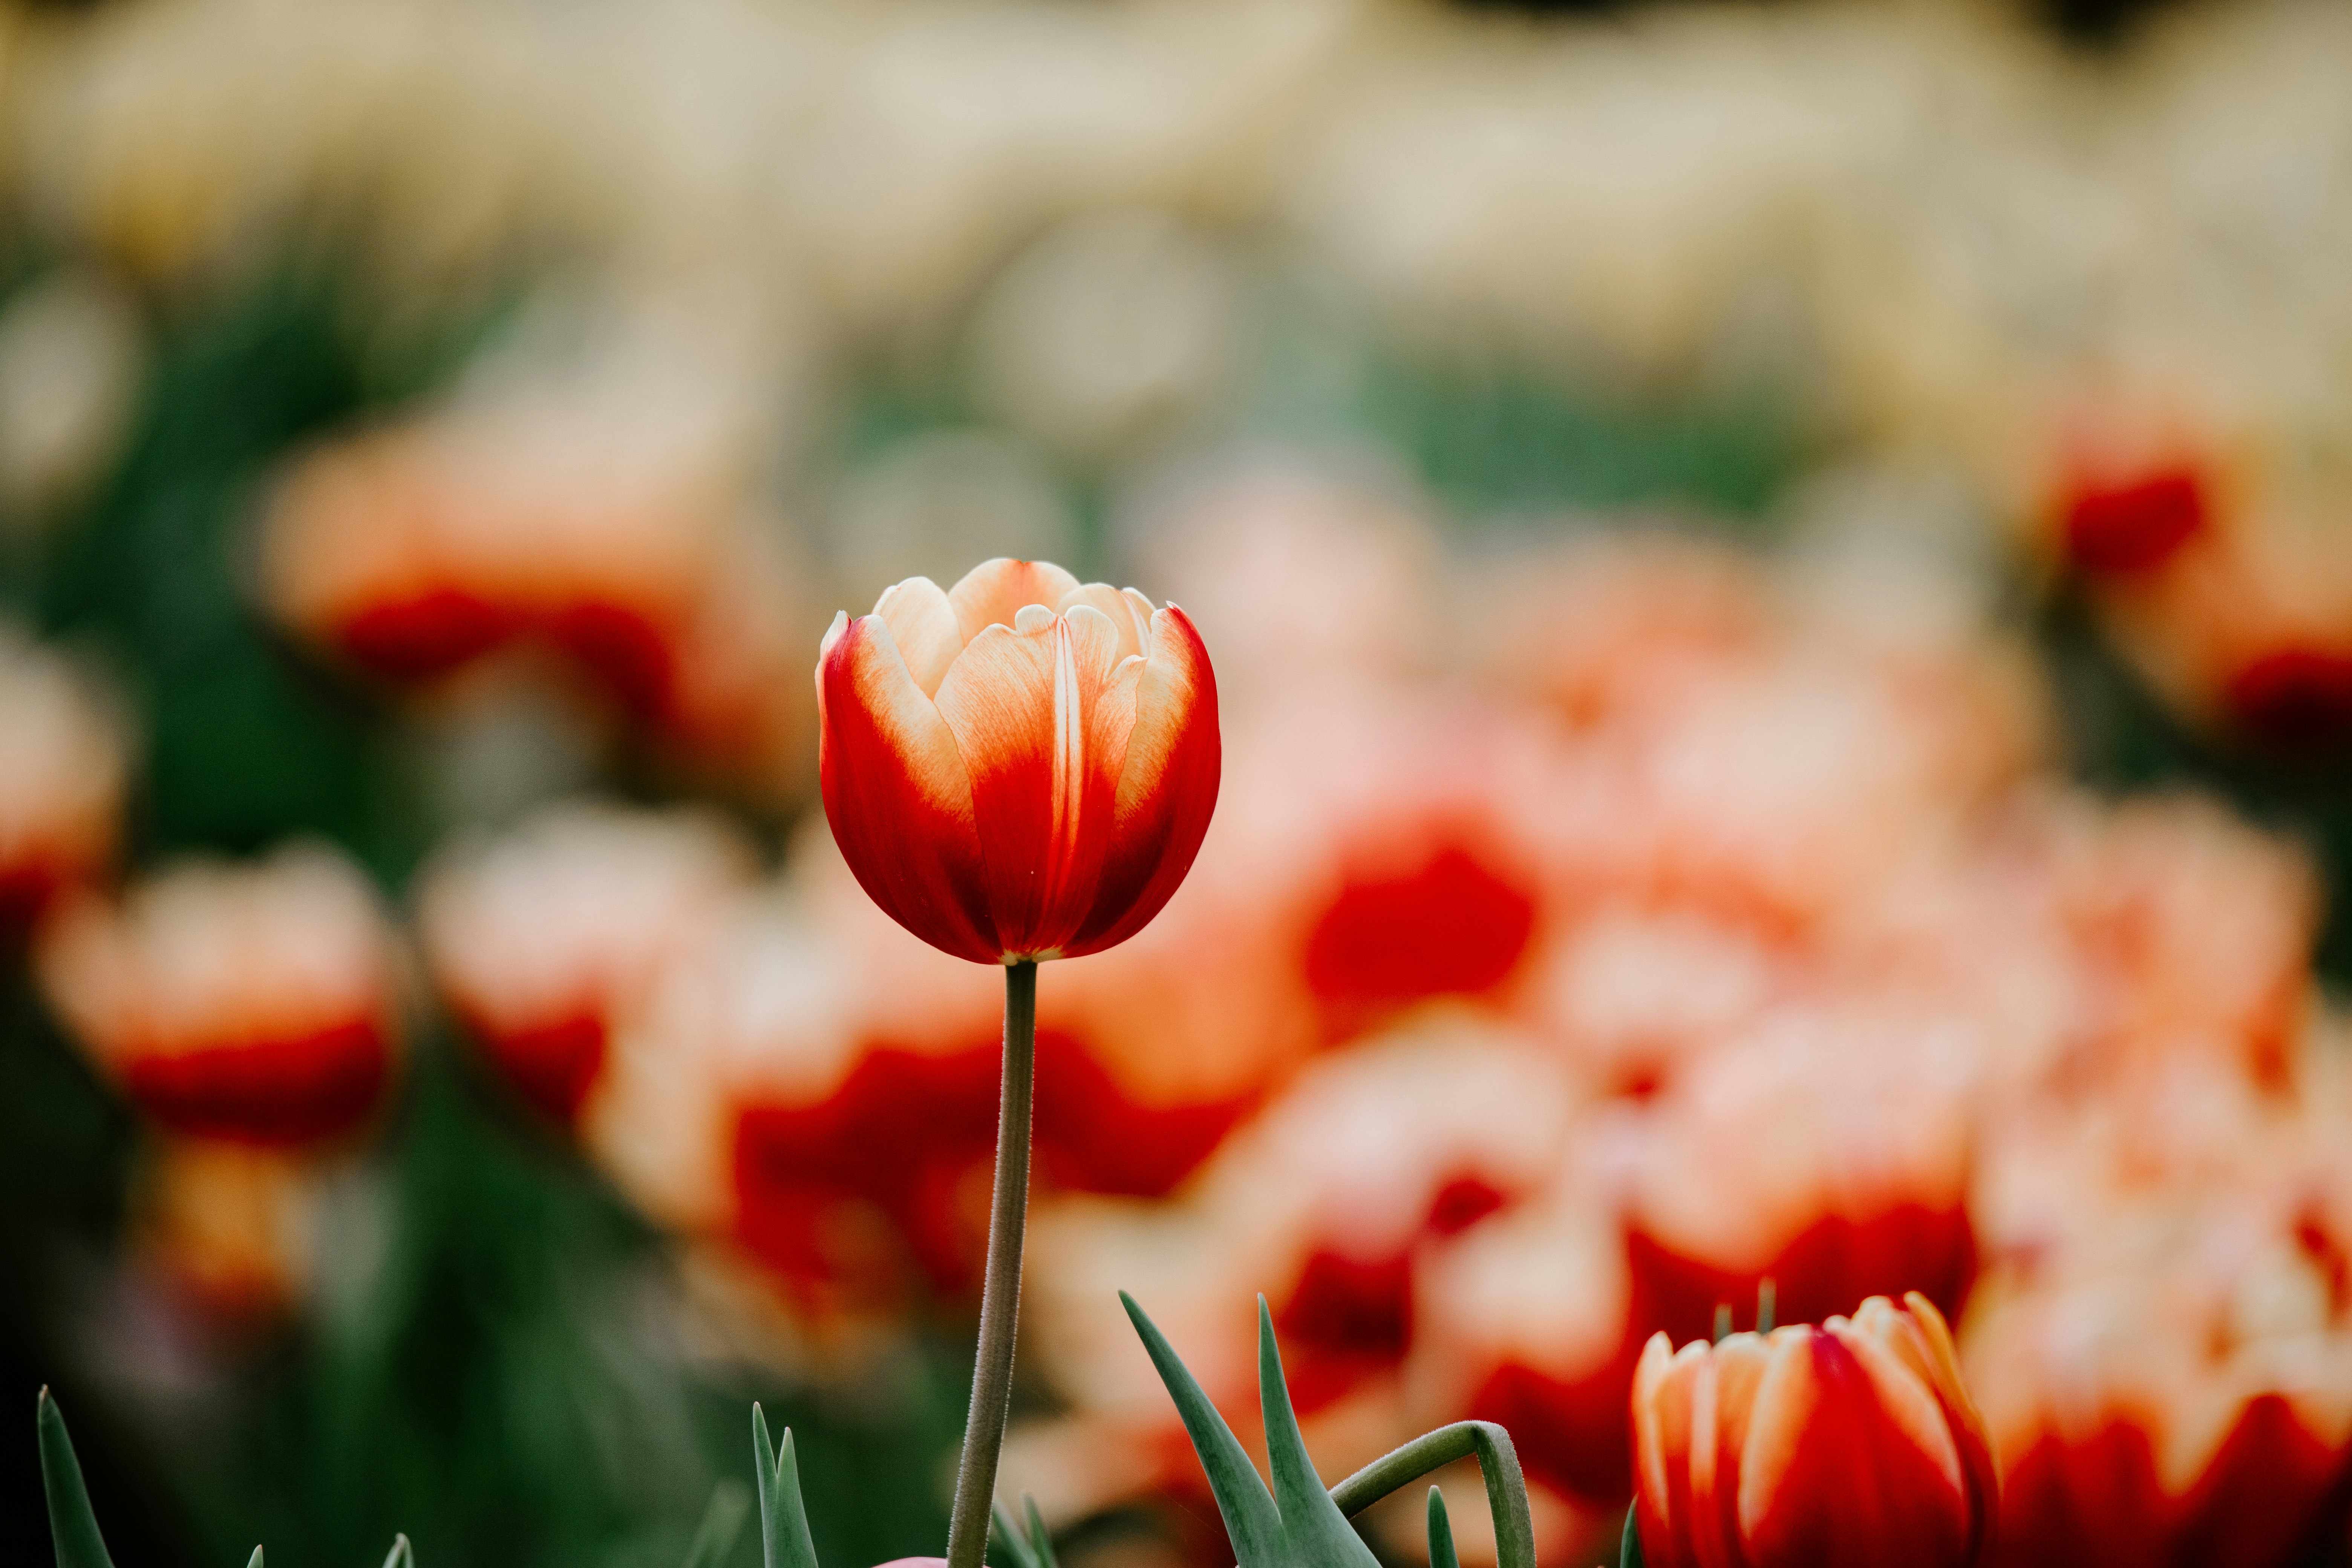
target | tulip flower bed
[{"x": 1705, "y": 872}]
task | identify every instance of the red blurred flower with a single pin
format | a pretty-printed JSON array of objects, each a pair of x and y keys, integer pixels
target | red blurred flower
[
  {"x": 1021, "y": 767},
  {"x": 250, "y": 1004},
  {"x": 2123, "y": 525},
  {"x": 541, "y": 940},
  {"x": 1827, "y": 1149},
  {"x": 1838, "y": 1446}
]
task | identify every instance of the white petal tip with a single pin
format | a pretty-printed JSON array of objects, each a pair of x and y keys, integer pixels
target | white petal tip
[{"x": 833, "y": 632}]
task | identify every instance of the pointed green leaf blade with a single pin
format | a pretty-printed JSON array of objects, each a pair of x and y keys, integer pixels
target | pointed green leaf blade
[
  {"x": 1008, "y": 1535},
  {"x": 1252, "y": 1522},
  {"x": 254, "y": 1561},
  {"x": 763, "y": 1477},
  {"x": 1629, "y": 1548},
  {"x": 799, "y": 1549},
  {"x": 723, "y": 1522},
  {"x": 1040, "y": 1541},
  {"x": 402, "y": 1554},
  {"x": 783, "y": 1520},
  {"x": 72, "y": 1526},
  {"x": 1441, "y": 1534},
  {"x": 1312, "y": 1525}
]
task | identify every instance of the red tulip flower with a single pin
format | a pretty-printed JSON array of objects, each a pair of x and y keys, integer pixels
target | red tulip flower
[
  {"x": 1021, "y": 767},
  {"x": 1848, "y": 1445}
]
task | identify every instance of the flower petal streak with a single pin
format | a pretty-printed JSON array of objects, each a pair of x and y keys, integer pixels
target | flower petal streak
[
  {"x": 1019, "y": 703},
  {"x": 1167, "y": 785},
  {"x": 899, "y": 793}
]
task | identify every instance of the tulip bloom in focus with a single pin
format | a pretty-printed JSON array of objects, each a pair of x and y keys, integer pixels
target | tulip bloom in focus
[
  {"x": 1021, "y": 767},
  {"x": 1845, "y": 1446}
]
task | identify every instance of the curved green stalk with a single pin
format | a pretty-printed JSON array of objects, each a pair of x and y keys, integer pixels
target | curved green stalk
[{"x": 1499, "y": 1463}]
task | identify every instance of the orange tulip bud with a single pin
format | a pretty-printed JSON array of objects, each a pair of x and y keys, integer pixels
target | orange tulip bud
[
  {"x": 1020, "y": 767},
  {"x": 1845, "y": 1446}
]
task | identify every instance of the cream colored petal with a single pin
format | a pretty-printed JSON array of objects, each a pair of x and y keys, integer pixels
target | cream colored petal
[
  {"x": 1102, "y": 596},
  {"x": 924, "y": 626},
  {"x": 994, "y": 592}
]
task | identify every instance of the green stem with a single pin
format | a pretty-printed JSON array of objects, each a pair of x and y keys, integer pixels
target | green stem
[
  {"x": 1000, "y": 1290},
  {"x": 1498, "y": 1462}
]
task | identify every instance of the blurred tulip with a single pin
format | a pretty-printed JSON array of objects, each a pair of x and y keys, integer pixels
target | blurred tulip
[
  {"x": 2172, "y": 1385},
  {"x": 230, "y": 1226},
  {"x": 1846, "y": 1445},
  {"x": 1828, "y": 1153},
  {"x": 1020, "y": 768},
  {"x": 252, "y": 1003},
  {"x": 542, "y": 939},
  {"x": 61, "y": 781},
  {"x": 1530, "y": 1321}
]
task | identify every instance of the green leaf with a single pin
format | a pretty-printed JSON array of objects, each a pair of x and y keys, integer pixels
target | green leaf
[
  {"x": 1253, "y": 1523},
  {"x": 783, "y": 1520},
  {"x": 1041, "y": 1543},
  {"x": 72, "y": 1526},
  {"x": 723, "y": 1522},
  {"x": 1629, "y": 1548},
  {"x": 1033, "y": 1550},
  {"x": 254, "y": 1561},
  {"x": 1314, "y": 1530},
  {"x": 1008, "y": 1535},
  {"x": 1441, "y": 1534},
  {"x": 402, "y": 1554},
  {"x": 1499, "y": 1463}
]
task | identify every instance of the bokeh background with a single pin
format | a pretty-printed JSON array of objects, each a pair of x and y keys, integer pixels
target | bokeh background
[{"x": 1781, "y": 582}]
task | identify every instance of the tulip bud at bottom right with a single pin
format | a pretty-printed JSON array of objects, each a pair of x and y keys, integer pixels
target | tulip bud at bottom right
[{"x": 1846, "y": 1445}]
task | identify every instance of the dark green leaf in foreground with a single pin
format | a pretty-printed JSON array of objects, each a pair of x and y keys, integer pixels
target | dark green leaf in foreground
[
  {"x": 72, "y": 1524},
  {"x": 1629, "y": 1549},
  {"x": 1441, "y": 1534},
  {"x": 1033, "y": 1549},
  {"x": 1296, "y": 1526}
]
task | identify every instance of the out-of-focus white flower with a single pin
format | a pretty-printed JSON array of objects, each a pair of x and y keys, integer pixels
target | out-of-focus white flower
[
  {"x": 61, "y": 779},
  {"x": 71, "y": 356},
  {"x": 1113, "y": 329}
]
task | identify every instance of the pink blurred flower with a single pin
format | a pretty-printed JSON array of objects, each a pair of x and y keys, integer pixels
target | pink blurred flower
[
  {"x": 251, "y": 1003},
  {"x": 543, "y": 938}
]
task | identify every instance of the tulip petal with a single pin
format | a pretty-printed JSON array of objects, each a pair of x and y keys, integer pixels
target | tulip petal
[
  {"x": 925, "y": 625},
  {"x": 1662, "y": 1383},
  {"x": 1167, "y": 785},
  {"x": 1848, "y": 1461},
  {"x": 994, "y": 592},
  {"x": 1134, "y": 629},
  {"x": 899, "y": 794},
  {"x": 1020, "y": 704},
  {"x": 1737, "y": 1366}
]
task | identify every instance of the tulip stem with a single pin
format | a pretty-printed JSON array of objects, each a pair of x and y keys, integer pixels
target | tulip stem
[{"x": 1000, "y": 1290}]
